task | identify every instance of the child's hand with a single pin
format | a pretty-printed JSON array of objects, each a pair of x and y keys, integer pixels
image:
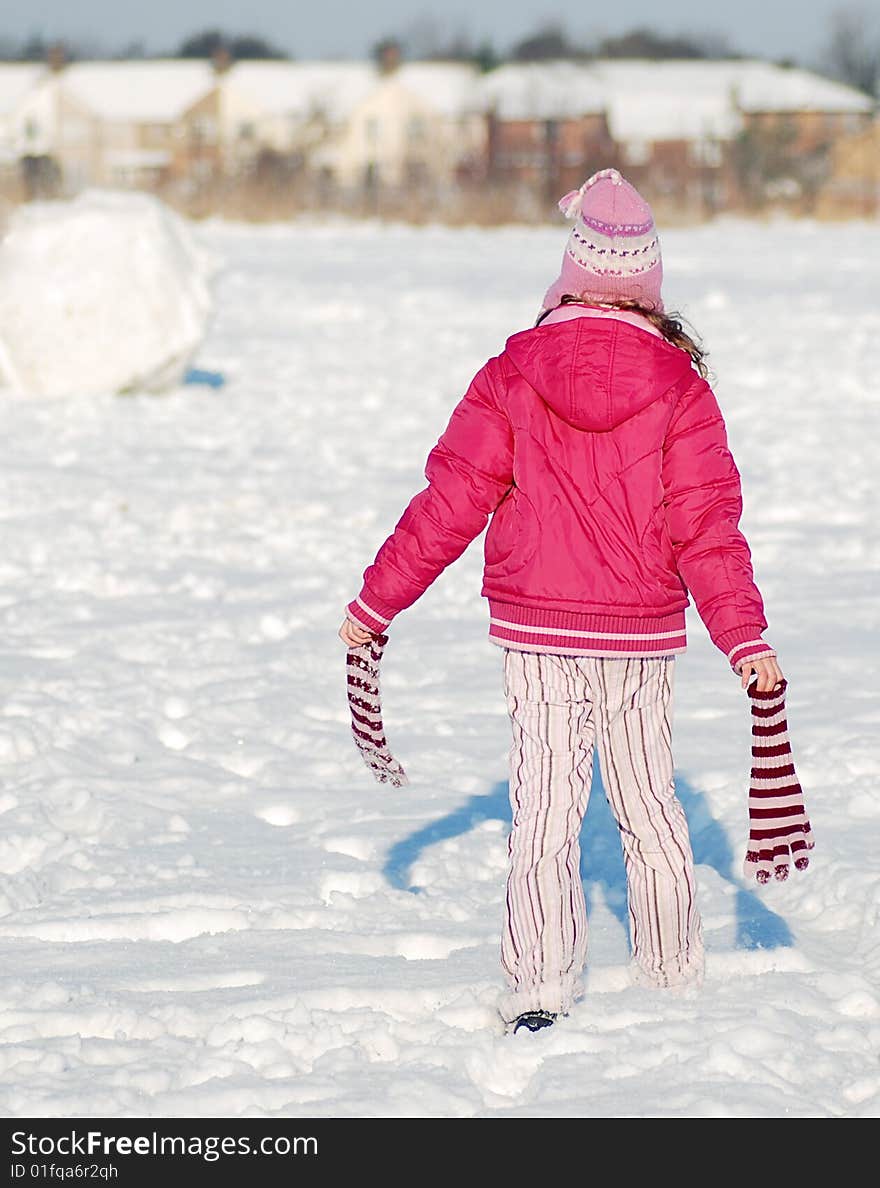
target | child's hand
[
  {"x": 352, "y": 634},
  {"x": 768, "y": 672}
]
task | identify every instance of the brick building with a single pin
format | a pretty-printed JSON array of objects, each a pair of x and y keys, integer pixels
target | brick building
[{"x": 547, "y": 125}]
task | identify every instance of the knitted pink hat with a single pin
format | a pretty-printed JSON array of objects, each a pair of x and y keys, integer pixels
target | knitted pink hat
[{"x": 613, "y": 252}]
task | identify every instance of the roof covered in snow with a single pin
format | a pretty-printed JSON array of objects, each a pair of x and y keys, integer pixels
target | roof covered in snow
[
  {"x": 750, "y": 85},
  {"x": 543, "y": 90},
  {"x": 139, "y": 92},
  {"x": 300, "y": 88},
  {"x": 17, "y": 79},
  {"x": 648, "y": 116},
  {"x": 645, "y": 100},
  {"x": 673, "y": 100},
  {"x": 761, "y": 86},
  {"x": 448, "y": 88},
  {"x": 653, "y": 101},
  {"x": 336, "y": 88}
]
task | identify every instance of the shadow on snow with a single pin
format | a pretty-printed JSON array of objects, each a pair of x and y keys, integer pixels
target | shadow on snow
[{"x": 757, "y": 927}]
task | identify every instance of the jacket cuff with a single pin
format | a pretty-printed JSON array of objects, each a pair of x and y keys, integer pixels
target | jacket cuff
[
  {"x": 364, "y": 611},
  {"x": 743, "y": 643}
]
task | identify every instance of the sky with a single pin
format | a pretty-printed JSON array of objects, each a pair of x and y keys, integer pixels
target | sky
[{"x": 342, "y": 28}]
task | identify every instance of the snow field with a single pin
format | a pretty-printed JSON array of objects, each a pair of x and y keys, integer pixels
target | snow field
[{"x": 209, "y": 908}]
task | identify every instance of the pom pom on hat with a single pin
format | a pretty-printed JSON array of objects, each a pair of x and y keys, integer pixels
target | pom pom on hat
[
  {"x": 611, "y": 174},
  {"x": 570, "y": 205},
  {"x": 613, "y": 252}
]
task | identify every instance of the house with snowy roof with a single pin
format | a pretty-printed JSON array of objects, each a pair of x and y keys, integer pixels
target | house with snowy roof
[
  {"x": 352, "y": 125},
  {"x": 673, "y": 123},
  {"x": 697, "y": 135},
  {"x": 419, "y": 125},
  {"x": 547, "y": 124},
  {"x": 125, "y": 123},
  {"x": 792, "y": 123},
  {"x": 819, "y": 108},
  {"x": 286, "y": 108},
  {"x": 691, "y": 131}
]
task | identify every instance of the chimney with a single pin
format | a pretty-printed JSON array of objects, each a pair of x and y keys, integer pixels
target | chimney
[
  {"x": 389, "y": 57},
  {"x": 221, "y": 59},
  {"x": 56, "y": 57}
]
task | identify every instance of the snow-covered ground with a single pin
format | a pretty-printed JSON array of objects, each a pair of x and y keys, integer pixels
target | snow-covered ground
[{"x": 209, "y": 909}]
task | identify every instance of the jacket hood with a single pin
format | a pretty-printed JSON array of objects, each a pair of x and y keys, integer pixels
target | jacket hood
[{"x": 596, "y": 373}]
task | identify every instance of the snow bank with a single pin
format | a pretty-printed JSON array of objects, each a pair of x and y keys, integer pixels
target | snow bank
[{"x": 104, "y": 293}]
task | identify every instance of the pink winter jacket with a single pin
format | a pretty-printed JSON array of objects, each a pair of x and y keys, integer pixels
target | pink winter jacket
[{"x": 602, "y": 458}]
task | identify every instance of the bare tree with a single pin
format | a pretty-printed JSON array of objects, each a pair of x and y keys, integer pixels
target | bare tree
[
  {"x": 34, "y": 49},
  {"x": 647, "y": 43},
  {"x": 428, "y": 39},
  {"x": 424, "y": 37},
  {"x": 241, "y": 45},
  {"x": 133, "y": 50},
  {"x": 550, "y": 41},
  {"x": 853, "y": 51},
  {"x": 387, "y": 53}
]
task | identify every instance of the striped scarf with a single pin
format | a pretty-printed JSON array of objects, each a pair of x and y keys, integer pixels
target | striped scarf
[
  {"x": 362, "y": 670},
  {"x": 780, "y": 831}
]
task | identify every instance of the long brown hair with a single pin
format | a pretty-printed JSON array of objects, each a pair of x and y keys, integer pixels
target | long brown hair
[{"x": 670, "y": 325}]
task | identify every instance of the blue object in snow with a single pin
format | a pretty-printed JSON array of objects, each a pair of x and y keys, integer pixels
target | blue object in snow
[{"x": 211, "y": 379}]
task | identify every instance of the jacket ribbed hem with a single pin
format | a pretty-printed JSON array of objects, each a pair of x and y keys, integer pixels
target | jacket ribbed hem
[{"x": 528, "y": 629}]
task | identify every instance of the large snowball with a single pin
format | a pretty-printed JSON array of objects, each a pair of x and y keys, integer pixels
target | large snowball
[{"x": 107, "y": 292}]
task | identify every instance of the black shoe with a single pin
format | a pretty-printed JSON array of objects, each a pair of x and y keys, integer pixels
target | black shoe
[{"x": 534, "y": 1020}]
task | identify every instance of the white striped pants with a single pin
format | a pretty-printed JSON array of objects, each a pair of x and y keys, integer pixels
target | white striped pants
[{"x": 559, "y": 707}]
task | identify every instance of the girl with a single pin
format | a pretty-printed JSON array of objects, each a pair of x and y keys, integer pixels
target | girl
[{"x": 597, "y": 447}]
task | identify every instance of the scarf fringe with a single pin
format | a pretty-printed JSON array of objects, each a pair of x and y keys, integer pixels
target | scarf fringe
[
  {"x": 780, "y": 834},
  {"x": 365, "y": 705}
]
